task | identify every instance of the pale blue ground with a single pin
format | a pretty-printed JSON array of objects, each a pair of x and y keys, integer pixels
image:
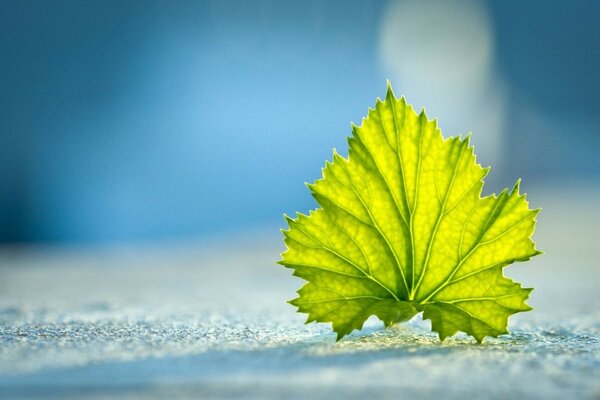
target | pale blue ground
[{"x": 209, "y": 320}]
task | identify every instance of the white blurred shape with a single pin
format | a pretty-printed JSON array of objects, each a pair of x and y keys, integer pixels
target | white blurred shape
[
  {"x": 440, "y": 54},
  {"x": 442, "y": 43}
]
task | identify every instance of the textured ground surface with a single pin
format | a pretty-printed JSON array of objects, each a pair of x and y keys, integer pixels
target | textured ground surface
[{"x": 209, "y": 320}]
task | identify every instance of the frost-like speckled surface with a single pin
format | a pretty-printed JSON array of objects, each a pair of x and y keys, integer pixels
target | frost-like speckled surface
[
  {"x": 209, "y": 320},
  {"x": 229, "y": 356}
]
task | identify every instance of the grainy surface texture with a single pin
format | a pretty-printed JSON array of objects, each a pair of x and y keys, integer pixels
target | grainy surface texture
[{"x": 209, "y": 320}]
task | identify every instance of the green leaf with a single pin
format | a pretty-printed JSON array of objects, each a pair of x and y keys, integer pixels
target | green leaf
[{"x": 403, "y": 228}]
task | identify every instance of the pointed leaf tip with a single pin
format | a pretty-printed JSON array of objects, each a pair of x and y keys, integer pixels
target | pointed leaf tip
[
  {"x": 389, "y": 95},
  {"x": 517, "y": 186}
]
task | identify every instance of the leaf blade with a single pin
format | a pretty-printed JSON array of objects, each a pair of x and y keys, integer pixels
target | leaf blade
[{"x": 403, "y": 227}]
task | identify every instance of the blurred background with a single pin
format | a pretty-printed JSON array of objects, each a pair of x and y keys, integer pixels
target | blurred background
[
  {"x": 136, "y": 121},
  {"x": 148, "y": 150}
]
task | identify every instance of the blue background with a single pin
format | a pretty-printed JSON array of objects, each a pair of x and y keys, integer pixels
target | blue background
[{"x": 133, "y": 121}]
